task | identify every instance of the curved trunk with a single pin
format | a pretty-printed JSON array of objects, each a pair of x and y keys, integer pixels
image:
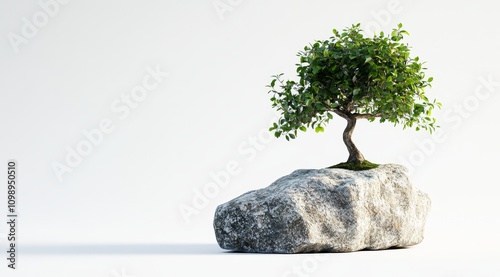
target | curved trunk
[{"x": 354, "y": 155}]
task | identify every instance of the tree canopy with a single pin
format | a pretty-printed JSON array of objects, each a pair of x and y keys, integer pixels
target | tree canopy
[{"x": 355, "y": 77}]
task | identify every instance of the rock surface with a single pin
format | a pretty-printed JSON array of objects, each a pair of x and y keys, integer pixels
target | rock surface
[{"x": 326, "y": 210}]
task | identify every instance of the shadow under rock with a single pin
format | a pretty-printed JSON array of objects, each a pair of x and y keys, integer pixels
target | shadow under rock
[
  {"x": 122, "y": 249},
  {"x": 147, "y": 249}
]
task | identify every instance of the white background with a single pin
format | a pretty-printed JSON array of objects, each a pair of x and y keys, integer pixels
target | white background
[{"x": 119, "y": 210}]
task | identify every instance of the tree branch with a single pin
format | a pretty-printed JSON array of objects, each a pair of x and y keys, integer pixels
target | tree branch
[
  {"x": 341, "y": 113},
  {"x": 366, "y": 115}
]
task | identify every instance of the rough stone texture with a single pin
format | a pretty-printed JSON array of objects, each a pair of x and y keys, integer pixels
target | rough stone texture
[{"x": 326, "y": 210}]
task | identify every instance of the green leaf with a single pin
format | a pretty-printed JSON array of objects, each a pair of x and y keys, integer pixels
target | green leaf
[
  {"x": 430, "y": 79},
  {"x": 319, "y": 129},
  {"x": 303, "y": 128}
]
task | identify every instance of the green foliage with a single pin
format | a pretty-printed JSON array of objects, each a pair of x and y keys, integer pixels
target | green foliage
[
  {"x": 355, "y": 166},
  {"x": 354, "y": 76}
]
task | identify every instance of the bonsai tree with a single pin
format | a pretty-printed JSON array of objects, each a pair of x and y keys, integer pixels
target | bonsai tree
[{"x": 354, "y": 77}]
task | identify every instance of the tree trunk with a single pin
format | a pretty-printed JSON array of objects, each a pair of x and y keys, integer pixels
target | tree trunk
[{"x": 354, "y": 155}]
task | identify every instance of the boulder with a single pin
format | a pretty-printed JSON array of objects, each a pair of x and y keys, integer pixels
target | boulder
[{"x": 326, "y": 210}]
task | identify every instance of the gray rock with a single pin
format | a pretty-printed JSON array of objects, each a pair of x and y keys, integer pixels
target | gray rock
[{"x": 326, "y": 210}]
